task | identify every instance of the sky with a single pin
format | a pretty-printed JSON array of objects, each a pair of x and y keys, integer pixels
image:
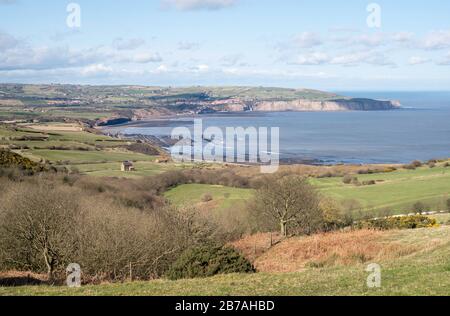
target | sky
[{"x": 318, "y": 44}]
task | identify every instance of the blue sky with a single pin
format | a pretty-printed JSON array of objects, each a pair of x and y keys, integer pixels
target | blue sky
[{"x": 321, "y": 44}]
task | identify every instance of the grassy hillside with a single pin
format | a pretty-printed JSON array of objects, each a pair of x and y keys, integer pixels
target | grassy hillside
[
  {"x": 423, "y": 270},
  {"x": 92, "y": 103},
  {"x": 90, "y": 153},
  {"x": 100, "y": 155},
  {"x": 222, "y": 197},
  {"x": 396, "y": 192},
  {"x": 124, "y": 94}
]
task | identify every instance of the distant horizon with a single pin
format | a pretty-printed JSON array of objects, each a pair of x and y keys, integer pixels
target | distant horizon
[{"x": 226, "y": 86}]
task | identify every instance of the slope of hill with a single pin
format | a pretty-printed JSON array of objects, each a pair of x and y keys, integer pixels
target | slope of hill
[{"x": 423, "y": 268}]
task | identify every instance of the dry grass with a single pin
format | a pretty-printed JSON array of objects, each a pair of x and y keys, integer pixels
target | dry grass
[
  {"x": 16, "y": 278},
  {"x": 320, "y": 171},
  {"x": 62, "y": 127},
  {"x": 254, "y": 246},
  {"x": 323, "y": 250}
]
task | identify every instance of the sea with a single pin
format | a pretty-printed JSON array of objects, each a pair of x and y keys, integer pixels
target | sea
[{"x": 420, "y": 130}]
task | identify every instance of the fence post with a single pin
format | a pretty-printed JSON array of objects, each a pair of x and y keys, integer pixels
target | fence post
[{"x": 131, "y": 272}]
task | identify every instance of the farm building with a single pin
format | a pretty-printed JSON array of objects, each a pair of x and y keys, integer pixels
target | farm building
[{"x": 127, "y": 166}]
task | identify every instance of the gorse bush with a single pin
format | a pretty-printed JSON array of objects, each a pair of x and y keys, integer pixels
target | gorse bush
[
  {"x": 405, "y": 222},
  {"x": 207, "y": 261},
  {"x": 9, "y": 159}
]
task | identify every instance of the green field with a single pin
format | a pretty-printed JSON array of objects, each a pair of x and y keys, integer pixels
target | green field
[
  {"x": 112, "y": 169},
  {"x": 223, "y": 197},
  {"x": 89, "y": 153},
  {"x": 425, "y": 272},
  {"x": 77, "y": 157},
  {"x": 396, "y": 191}
]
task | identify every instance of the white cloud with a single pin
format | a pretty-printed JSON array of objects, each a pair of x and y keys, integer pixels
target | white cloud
[
  {"x": 188, "y": 5},
  {"x": 162, "y": 69},
  {"x": 417, "y": 60},
  {"x": 7, "y": 41},
  {"x": 47, "y": 58},
  {"x": 362, "y": 57},
  {"x": 403, "y": 37},
  {"x": 95, "y": 70},
  {"x": 370, "y": 40},
  {"x": 128, "y": 44},
  {"x": 437, "y": 40},
  {"x": 144, "y": 58},
  {"x": 233, "y": 60},
  {"x": 445, "y": 61},
  {"x": 316, "y": 58},
  {"x": 346, "y": 59},
  {"x": 201, "y": 68},
  {"x": 307, "y": 40},
  {"x": 378, "y": 39},
  {"x": 21, "y": 55}
]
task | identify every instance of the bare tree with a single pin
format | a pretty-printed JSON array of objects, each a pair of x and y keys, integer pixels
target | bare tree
[
  {"x": 38, "y": 224},
  {"x": 290, "y": 201}
]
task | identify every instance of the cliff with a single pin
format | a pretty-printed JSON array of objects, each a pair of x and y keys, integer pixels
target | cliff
[
  {"x": 329, "y": 105},
  {"x": 303, "y": 105}
]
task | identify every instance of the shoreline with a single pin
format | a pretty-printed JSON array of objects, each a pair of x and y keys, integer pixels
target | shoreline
[
  {"x": 294, "y": 161},
  {"x": 163, "y": 141}
]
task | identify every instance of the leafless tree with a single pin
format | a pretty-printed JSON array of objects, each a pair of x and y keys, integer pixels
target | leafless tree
[
  {"x": 38, "y": 225},
  {"x": 290, "y": 201}
]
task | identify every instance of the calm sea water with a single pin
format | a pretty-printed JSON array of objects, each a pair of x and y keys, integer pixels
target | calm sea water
[{"x": 419, "y": 131}]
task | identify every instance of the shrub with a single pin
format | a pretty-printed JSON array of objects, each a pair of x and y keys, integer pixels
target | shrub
[
  {"x": 419, "y": 207},
  {"x": 327, "y": 174},
  {"x": 409, "y": 167},
  {"x": 143, "y": 148},
  {"x": 417, "y": 163},
  {"x": 348, "y": 179},
  {"x": 10, "y": 159},
  {"x": 432, "y": 164},
  {"x": 356, "y": 182},
  {"x": 207, "y": 198},
  {"x": 448, "y": 205},
  {"x": 334, "y": 217},
  {"x": 207, "y": 261},
  {"x": 405, "y": 222},
  {"x": 447, "y": 164},
  {"x": 370, "y": 182}
]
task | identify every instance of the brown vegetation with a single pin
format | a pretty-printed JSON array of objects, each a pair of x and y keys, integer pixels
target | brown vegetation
[
  {"x": 114, "y": 230},
  {"x": 328, "y": 249}
]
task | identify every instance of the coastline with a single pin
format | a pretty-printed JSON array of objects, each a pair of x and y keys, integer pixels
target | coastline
[
  {"x": 164, "y": 143},
  {"x": 315, "y": 138}
]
